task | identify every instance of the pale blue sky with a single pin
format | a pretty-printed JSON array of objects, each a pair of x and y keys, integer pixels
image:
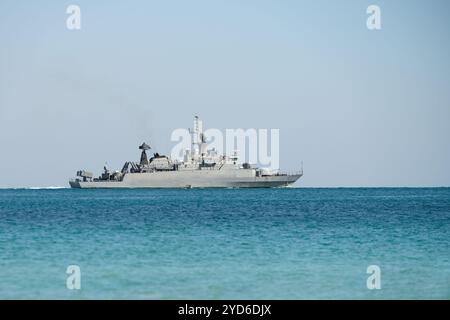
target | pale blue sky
[{"x": 358, "y": 107}]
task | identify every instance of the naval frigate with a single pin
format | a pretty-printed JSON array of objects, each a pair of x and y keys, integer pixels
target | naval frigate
[{"x": 200, "y": 168}]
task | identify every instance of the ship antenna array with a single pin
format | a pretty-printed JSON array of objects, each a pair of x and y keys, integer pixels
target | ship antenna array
[{"x": 198, "y": 138}]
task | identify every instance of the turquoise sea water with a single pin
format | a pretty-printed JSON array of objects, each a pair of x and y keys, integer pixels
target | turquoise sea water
[{"x": 225, "y": 243}]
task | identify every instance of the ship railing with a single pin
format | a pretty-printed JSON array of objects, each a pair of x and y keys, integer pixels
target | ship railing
[{"x": 290, "y": 173}]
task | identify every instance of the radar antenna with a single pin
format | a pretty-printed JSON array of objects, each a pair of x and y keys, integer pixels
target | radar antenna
[{"x": 144, "y": 158}]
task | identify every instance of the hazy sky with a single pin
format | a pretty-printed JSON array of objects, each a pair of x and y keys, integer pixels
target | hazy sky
[{"x": 358, "y": 107}]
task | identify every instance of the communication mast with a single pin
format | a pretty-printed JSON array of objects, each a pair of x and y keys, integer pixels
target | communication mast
[{"x": 198, "y": 139}]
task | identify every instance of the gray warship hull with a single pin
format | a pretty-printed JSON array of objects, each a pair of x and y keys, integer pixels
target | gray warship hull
[
  {"x": 200, "y": 168},
  {"x": 193, "y": 179}
]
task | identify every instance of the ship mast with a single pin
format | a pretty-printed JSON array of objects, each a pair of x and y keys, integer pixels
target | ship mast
[{"x": 198, "y": 140}]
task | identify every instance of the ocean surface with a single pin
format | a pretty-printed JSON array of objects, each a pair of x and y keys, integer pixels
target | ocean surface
[{"x": 293, "y": 243}]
